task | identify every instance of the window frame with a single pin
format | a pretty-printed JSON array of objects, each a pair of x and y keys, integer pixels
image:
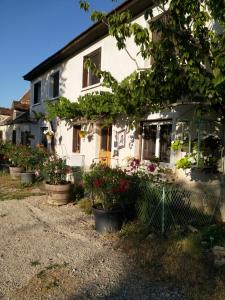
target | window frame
[
  {"x": 88, "y": 77},
  {"x": 158, "y": 141},
  {"x": 52, "y": 83},
  {"x": 37, "y": 97}
]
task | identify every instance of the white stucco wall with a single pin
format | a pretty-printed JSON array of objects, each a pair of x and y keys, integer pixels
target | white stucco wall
[{"x": 71, "y": 74}]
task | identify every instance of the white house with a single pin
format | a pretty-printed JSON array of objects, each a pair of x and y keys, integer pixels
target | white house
[{"x": 63, "y": 74}]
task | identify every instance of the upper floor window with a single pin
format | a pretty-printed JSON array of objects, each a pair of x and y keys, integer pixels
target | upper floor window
[
  {"x": 157, "y": 35},
  {"x": 54, "y": 85},
  {"x": 88, "y": 77},
  {"x": 37, "y": 92}
]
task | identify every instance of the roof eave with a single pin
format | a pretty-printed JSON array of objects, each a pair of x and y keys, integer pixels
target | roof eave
[{"x": 89, "y": 36}]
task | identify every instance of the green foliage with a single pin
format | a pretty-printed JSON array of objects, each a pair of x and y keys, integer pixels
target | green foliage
[
  {"x": 213, "y": 235},
  {"x": 86, "y": 205},
  {"x": 64, "y": 109},
  {"x": 54, "y": 170},
  {"x": 109, "y": 186},
  {"x": 84, "y": 5},
  {"x": 24, "y": 156},
  {"x": 176, "y": 145},
  {"x": 184, "y": 162},
  {"x": 189, "y": 63}
]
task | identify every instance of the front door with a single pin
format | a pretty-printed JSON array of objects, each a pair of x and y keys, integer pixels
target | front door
[{"x": 105, "y": 145}]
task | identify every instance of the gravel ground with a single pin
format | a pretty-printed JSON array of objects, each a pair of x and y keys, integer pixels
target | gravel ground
[{"x": 51, "y": 252}]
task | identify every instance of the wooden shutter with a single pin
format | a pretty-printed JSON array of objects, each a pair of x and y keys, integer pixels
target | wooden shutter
[
  {"x": 1, "y": 136},
  {"x": 76, "y": 139},
  {"x": 156, "y": 35}
]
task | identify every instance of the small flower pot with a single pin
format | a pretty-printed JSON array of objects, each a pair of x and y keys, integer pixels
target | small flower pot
[
  {"x": 107, "y": 221},
  {"x": 58, "y": 194},
  {"x": 15, "y": 172},
  {"x": 27, "y": 177}
]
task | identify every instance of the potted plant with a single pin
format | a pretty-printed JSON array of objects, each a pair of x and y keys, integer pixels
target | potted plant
[
  {"x": 109, "y": 189},
  {"x": 14, "y": 153},
  {"x": 83, "y": 133},
  {"x": 4, "y": 162},
  {"x": 58, "y": 189},
  {"x": 49, "y": 134},
  {"x": 33, "y": 159}
]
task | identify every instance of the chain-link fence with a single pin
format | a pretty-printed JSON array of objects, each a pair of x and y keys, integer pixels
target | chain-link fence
[{"x": 164, "y": 207}]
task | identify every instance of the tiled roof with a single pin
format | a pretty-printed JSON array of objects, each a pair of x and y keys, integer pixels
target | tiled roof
[
  {"x": 5, "y": 111},
  {"x": 25, "y": 99},
  {"x": 86, "y": 38},
  {"x": 17, "y": 105}
]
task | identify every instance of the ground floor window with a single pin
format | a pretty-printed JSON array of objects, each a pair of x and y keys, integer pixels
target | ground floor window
[
  {"x": 76, "y": 139},
  {"x": 14, "y": 137},
  {"x": 25, "y": 137},
  {"x": 1, "y": 136},
  {"x": 156, "y": 141},
  {"x": 43, "y": 138}
]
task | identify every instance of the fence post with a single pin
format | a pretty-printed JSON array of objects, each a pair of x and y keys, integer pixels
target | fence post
[{"x": 163, "y": 210}]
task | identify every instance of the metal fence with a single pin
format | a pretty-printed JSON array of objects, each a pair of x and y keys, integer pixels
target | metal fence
[{"x": 164, "y": 207}]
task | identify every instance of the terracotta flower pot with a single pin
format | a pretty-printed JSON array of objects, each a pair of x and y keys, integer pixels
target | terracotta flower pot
[
  {"x": 15, "y": 172},
  {"x": 58, "y": 194}
]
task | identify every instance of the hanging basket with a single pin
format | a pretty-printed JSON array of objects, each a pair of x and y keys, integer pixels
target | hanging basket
[
  {"x": 49, "y": 138},
  {"x": 83, "y": 134}
]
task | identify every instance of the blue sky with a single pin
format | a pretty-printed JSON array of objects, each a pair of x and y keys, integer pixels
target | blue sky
[{"x": 32, "y": 30}]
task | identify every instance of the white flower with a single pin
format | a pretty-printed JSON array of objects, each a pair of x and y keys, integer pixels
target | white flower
[
  {"x": 192, "y": 160},
  {"x": 48, "y": 132}
]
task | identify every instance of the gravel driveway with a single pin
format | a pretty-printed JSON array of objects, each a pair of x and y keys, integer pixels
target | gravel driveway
[{"x": 53, "y": 253}]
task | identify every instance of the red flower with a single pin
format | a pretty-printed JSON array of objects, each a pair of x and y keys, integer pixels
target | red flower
[
  {"x": 97, "y": 183},
  {"x": 124, "y": 185},
  {"x": 81, "y": 184}
]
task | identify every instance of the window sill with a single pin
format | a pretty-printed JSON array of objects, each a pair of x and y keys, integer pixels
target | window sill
[
  {"x": 52, "y": 99},
  {"x": 36, "y": 104},
  {"x": 91, "y": 87}
]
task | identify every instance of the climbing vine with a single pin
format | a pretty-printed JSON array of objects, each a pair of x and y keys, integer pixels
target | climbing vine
[{"x": 188, "y": 62}]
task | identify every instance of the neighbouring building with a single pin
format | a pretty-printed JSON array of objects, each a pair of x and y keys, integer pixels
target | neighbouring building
[{"x": 15, "y": 122}]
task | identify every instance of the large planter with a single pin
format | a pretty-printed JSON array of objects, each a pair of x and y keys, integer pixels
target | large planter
[
  {"x": 4, "y": 167},
  {"x": 15, "y": 172},
  {"x": 27, "y": 177},
  {"x": 58, "y": 194},
  {"x": 107, "y": 221},
  {"x": 222, "y": 211}
]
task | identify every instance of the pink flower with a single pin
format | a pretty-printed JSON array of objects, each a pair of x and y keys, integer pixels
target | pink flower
[
  {"x": 135, "y": 163},
  {"x": 151, "y": 168}
]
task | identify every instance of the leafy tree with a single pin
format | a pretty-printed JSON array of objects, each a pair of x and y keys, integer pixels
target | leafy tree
[{"x": 188, "y": 62}]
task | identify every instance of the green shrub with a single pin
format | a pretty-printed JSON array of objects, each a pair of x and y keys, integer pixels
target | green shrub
[
  {"x": 214, "y": 235},
  {"x": 86, "y": 205}
]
